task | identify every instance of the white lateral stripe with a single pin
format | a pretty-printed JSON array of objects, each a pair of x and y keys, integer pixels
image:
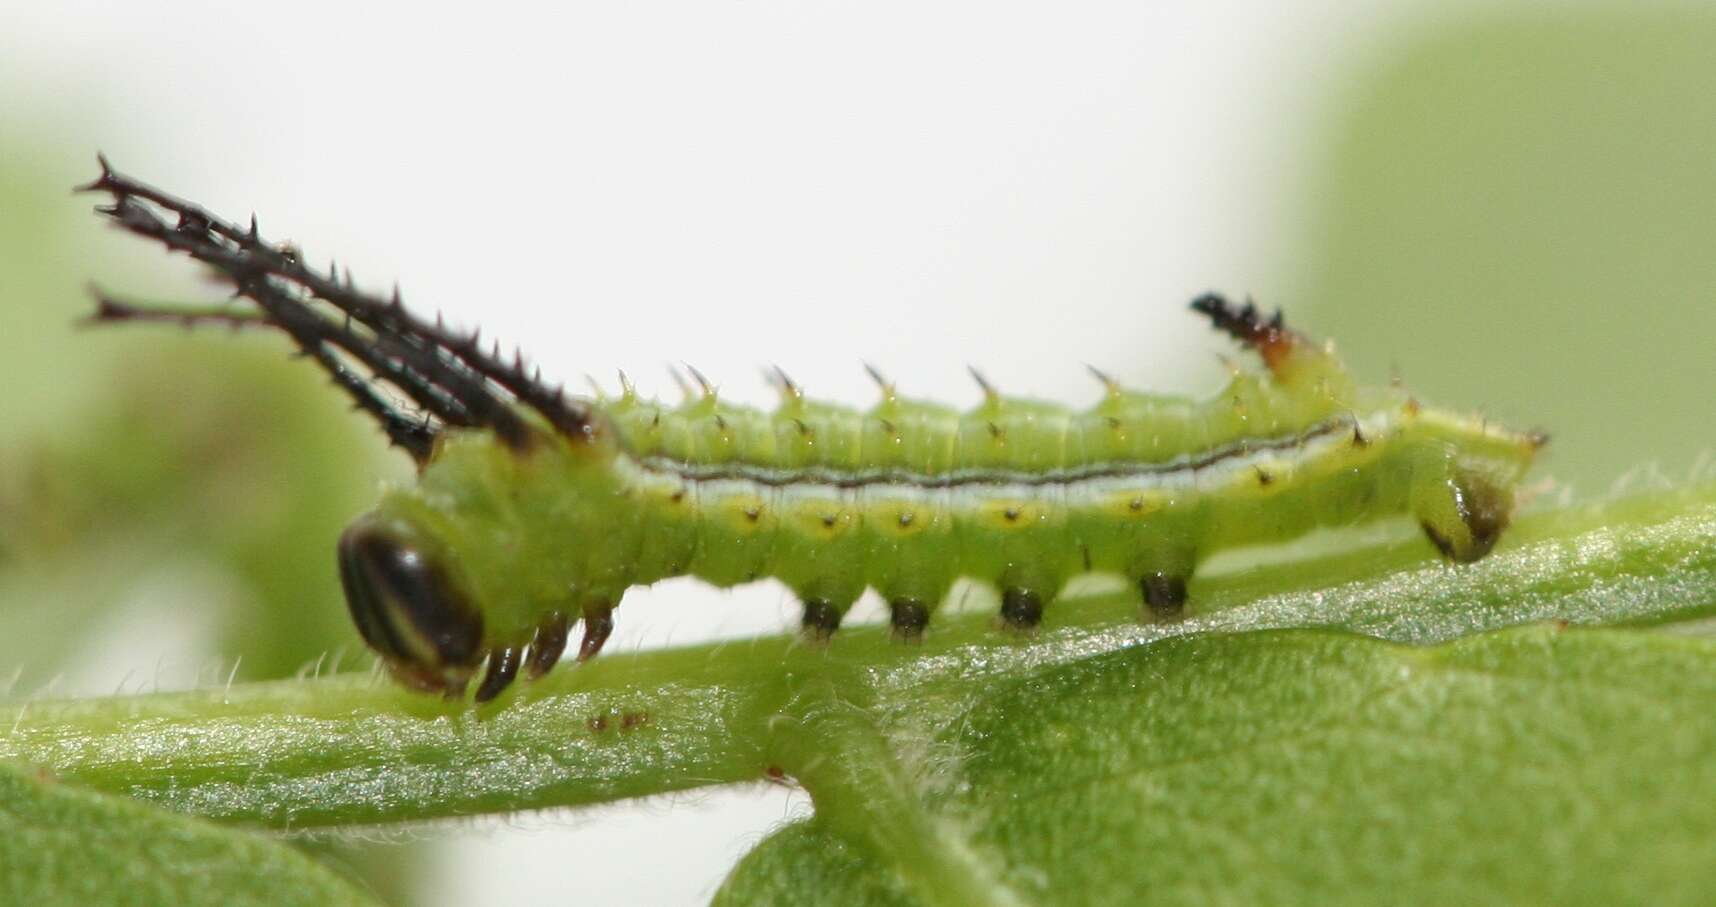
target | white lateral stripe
[{"x": 1073, "y": 492}]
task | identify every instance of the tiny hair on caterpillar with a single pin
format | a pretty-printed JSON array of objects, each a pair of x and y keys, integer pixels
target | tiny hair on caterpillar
[{"x": 534, "y": 509}]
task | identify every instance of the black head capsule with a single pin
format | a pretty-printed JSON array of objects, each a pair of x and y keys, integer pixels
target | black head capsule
[{"x": 408, "y": 607}]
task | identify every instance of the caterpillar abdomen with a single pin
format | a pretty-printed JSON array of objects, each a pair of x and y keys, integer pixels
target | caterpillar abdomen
[
  {"x": 1025, "y": 524},
  {"x": 534, "y": 509}
]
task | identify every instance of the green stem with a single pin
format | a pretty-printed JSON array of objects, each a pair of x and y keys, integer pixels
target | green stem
[
  {"x": 358, "y": 750},
  {"x": 864, "y": 794}
]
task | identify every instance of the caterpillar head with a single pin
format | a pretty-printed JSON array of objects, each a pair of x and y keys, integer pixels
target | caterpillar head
[
  {"x": 479, "y": 565},
  {"x": 410, "y": 605}
]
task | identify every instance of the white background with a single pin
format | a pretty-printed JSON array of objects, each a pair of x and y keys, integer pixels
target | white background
[{"x": 817, "y": 185}]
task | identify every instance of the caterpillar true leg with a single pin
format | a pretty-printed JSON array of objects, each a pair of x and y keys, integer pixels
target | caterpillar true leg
[
  {"x": 503, "y": 668},
  {"x": 598, "y": 626},
  {"x": 547, "y": 646}
]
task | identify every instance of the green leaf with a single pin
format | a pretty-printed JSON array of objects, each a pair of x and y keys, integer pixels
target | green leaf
[
  {"x": 62, "y": 845},
  {"x": 1536, "y": 765}
]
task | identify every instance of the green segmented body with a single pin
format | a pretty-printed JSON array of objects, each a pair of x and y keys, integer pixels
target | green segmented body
[
  {"x": 909, "y": 496},
  {"x": 532, "y": 509}
]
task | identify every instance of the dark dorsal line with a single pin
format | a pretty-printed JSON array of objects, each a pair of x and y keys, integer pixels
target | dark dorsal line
[
  {"x": 449, "y": 376},
  {"x": 848, "y": 479}
]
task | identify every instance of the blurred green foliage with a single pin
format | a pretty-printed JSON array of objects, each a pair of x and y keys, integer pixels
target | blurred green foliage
[
  {"x": 68, "y": 846},
  {"x": 132, "y": 461},
  {"x": 127, "y": 455},
  {"x": 1518, "y": 211}
]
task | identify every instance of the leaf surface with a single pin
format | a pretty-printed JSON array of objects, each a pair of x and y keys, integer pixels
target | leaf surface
[
  {"x": 1532, "y": 765},
  {"x": 63, "y": 845}
]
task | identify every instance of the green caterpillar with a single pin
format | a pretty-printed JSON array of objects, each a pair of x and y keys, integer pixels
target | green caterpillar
[{"x": 533, "y": 509}]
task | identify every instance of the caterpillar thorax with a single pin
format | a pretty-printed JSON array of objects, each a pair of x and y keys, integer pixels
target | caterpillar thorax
[{"x": 533, "y": 510}]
